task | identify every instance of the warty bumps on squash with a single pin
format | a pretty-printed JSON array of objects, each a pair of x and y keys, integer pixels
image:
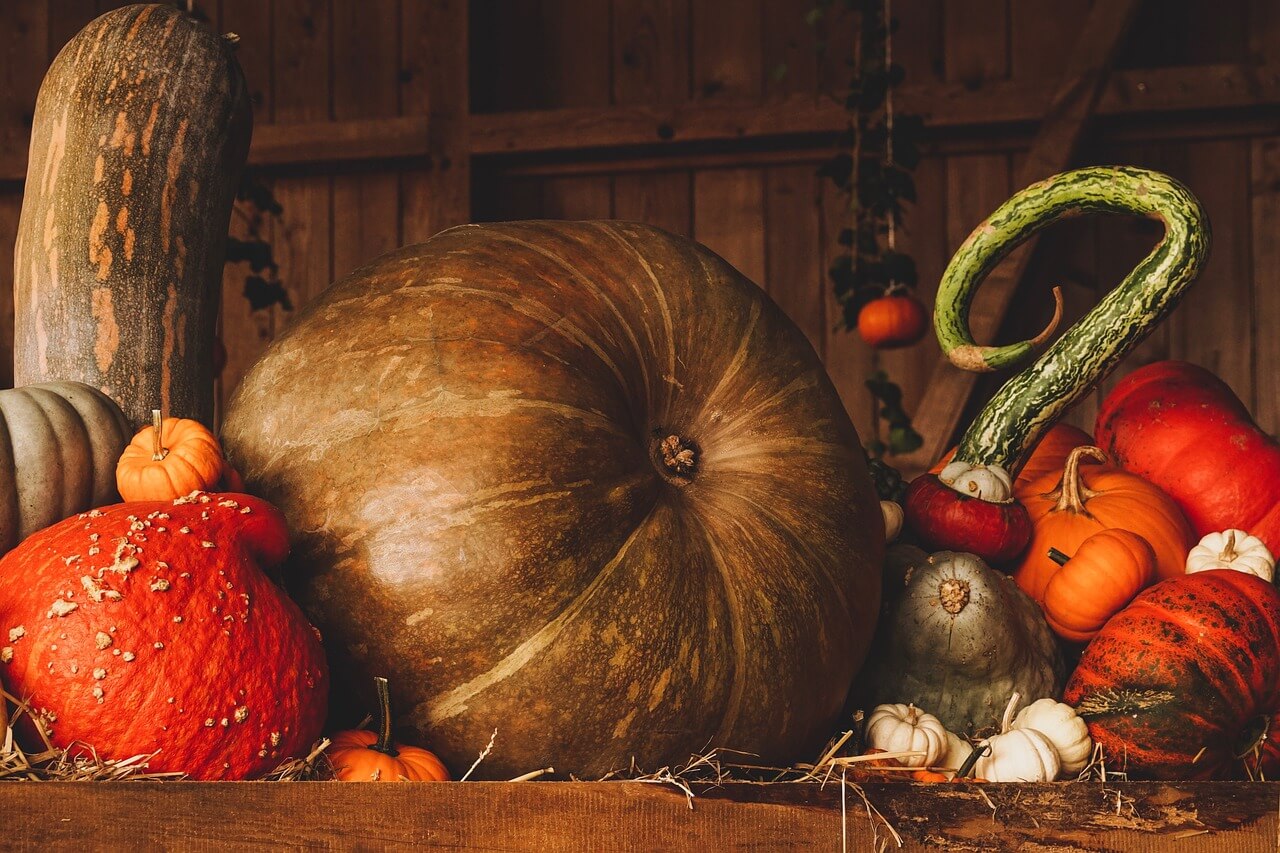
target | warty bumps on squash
[
  {"x": 149, "y": 626},
  {"x": 578, "y": 482},
  {"x": 141, "y": 130}
]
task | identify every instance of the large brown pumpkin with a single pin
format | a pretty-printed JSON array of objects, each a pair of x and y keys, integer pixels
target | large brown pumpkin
[
  {"x": 141, "y": 130},
  {"x": 581, "y": 483}
]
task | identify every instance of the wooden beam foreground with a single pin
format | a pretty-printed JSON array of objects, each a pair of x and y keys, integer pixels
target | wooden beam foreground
[
  {"x": 1199, "y": 817},
  {"x": 1052, "y": 150}
]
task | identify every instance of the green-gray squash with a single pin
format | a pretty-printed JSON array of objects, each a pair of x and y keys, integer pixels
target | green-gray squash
[
  {"x": 59, "y": 443},
  {"x": 956, "y": 639},
  {"x": 141, "y": 130}
]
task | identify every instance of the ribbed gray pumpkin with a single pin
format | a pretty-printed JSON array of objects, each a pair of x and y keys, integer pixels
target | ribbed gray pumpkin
[
  {"x": 59, "y": 444},
  {"x": 956, "y": 639}
]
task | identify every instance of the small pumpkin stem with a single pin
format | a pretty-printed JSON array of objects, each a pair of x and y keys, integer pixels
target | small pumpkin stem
[
  {"x": 1007, "y": 720},
  {"x": 1058, "y": 557},
  {"x": 1072, "y": 492},
  {"x": 1229, "y": 552},
  {"x": 383, "y": 719},
  {"x": 953, "y": 594},
  {"x": 158, "y": 450},
  {"x": 969, "y": 763}
]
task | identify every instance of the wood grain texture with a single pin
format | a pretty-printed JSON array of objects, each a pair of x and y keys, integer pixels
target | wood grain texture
[
  {"x": 1203, "y": 817},
  {"x": 1265, "y": 212},
  {"x": 794, "y": 273},
  {"x": 650, "y": 51},
  {"x": 728, "y": 217},
  {"x": 142, "y": 129}
]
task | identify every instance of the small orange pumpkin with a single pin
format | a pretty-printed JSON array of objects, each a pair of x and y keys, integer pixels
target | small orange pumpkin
[
  {"x": 1105, "y": 573},
  {"x": 364, "y": 756},
  {"x": 168, "y": 459},
  {"x": 1069, "y": 509},
  {"x": 896, "y": 319}
]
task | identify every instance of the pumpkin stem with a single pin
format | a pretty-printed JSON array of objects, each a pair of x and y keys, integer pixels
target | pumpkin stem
[
  {"x": 383, "y": 719},
  {"x": 1229, "y": 551},
  {"x": 969, "y": 763},
  {"x": 953, "y": 594},
  {"x": 1072, "y": 493},
  {"x": 1058, "y": 557},
  {"x": 1007, "y": 720},
  {"x": 158, "y": 450},
  {"x": 678, "y": 456}
]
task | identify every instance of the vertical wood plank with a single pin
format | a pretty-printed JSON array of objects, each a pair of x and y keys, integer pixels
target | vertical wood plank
[
  {"x": 662, "y": 199},
  {"x": 577, "y": 198},
  {"x": 1264, "y": 33},
  {"x": 24, "y": 56},
  {"x": 366, "y": 205},
  {"x": 918, "y": 40},
  {"x": 976, "y": 39},
  {"x": 1042, "y": 35},
  {"x": 728, "y": 217},
  {"x": 1265, "y": 220},
  {"x": 66, "y": 18},
  {"x": 650, "y": 51},
  {"x": 924, "y": 238},
  {"x": 1212, "y": 327},
  {"x": 576, "y": 47},
  {"x": 251, "y": 20},
  {"x": 790, "y": 58},
  {"x": 793, "y": 234},
  {"x": 301, "y": 37},
  {"x": 848, "y": 358},
  {"x": 726, "y": 48},
  {"x": 435, "y": 80}
]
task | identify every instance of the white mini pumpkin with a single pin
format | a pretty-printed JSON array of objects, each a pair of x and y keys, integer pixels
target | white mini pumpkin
[
  {"x": 1232, "y": 549},
  {"x": 1018, "y": 755},
  {"x": 958, "y": 750},
  {"x": 893, "y": 518},
  {"x": 1064, "y": 728},
  {"x": 905, "y": 728},
  {"x": 990, "y": 483}
]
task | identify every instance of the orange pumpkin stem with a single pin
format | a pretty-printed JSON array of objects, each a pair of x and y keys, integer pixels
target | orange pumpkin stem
[
  {"x": 158, "y": 451},
  {"x": 383, "y": 719},
  {"x": 1072, "y": 493}
]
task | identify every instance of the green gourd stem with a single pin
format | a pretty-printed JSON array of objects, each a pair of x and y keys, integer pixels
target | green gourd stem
[
  {"x": 1058, "y": 557},
  {"x": 1028, "y": 404},
  {"x": 383, "y": 720}
]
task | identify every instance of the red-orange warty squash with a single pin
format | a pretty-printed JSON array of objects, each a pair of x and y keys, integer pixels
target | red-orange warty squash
[
  {"x": 1069, "y": 507},
  {"x": 580, "y": 482},
  {"x": 150, "y": 626},
  {"x": 1182, "y": 428},
  {"x": 1184, "y": 681}
]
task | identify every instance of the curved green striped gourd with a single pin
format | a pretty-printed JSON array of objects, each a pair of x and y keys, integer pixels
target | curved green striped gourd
[{"x": 1029, "y": 403}]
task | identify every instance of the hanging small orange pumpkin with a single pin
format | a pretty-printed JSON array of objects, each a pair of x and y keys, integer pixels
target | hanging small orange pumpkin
[
  {"x": 1097, "y": 582},
  {"x": 896, "y": 319},
  {"x": 360, "y": 755},
  {"x": 171, "y": 458},
  {"x": 1067, "y": 510}
]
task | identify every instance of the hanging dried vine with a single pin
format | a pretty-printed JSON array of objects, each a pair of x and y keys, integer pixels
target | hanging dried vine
[{"x": 873, "y": 167}]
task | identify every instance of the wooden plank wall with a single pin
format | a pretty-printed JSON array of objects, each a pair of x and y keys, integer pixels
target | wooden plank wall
[
  {"x": 763, "y": 208},
  {"x": 776, "y": 220}
]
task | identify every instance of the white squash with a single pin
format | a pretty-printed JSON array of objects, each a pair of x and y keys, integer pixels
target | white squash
[
  {"x": 1064, "y": 728},
  {"x": 990, "y": 483},
  {"x": 905, "y": 728},
  {"x": 1018, "y": 755},
  {"x": 1232, "y": 549},
  {"x": 893, "y": 517},
  {"x": 958, "y": 750}
]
